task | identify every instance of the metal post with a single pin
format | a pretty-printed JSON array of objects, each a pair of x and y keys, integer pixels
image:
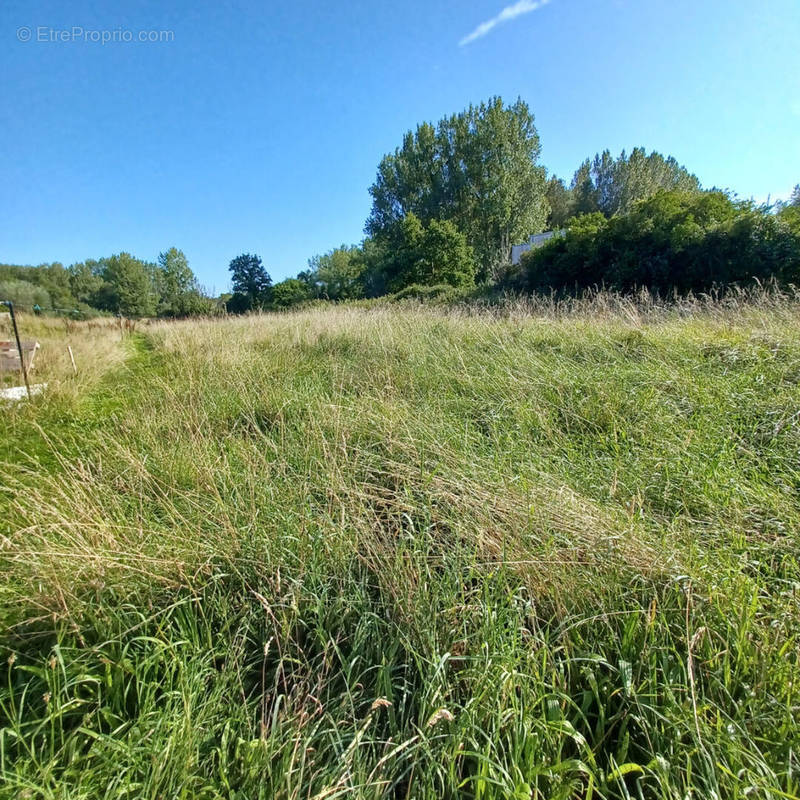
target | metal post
[{"x": 19, "y": 346}]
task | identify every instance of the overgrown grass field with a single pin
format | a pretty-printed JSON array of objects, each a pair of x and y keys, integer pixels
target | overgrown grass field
[{"x": 400, "y": 552}]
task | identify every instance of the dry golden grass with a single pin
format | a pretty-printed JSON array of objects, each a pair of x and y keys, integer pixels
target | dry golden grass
[{"x": 98, "y": 346}]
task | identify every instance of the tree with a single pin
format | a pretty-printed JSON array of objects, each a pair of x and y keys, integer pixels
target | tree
[
  {"x": 56, "y": 280},
  {"x": 445, "y": 256},
  {"x": 560, "y": 200},
  {"x": 127, "y": 286},
  {"x": 250, "y": 280},
  {"x": 477, "y": 169},
  {"x": 337, "y": 274},
  {"x": 642, "y": 176},
  {"x": 238, "y": 303},
  {"x": 86, "y": 281},
  {"x": 289, "y": 293},
  {"x": 178, "y": 285},
  {"x": 584, "y": 193},
  {"x": 375, "y": 255},
  {"x": 416, "y": 254},
  {"x": 789, "y": 212},
  {"x": 614, "y": 186},
  {"x": 24, "y": 294},
  {"x": 403, "y": 268}
]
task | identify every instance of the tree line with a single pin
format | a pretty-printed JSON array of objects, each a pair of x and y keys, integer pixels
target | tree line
[
  {"x": 447, "y": 206},
  {"x": 451, "y": 200},
  {"x": 117, "y": 284}
]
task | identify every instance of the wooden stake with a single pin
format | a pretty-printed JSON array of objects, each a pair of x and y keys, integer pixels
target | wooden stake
[
  {"x": 72, "y": 359},
  {"x": 19, "y": 346}
]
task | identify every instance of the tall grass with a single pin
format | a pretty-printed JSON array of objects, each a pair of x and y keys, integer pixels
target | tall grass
[
  {"x": 97, "y": 347},
  {"x": 510, "y": 553}
]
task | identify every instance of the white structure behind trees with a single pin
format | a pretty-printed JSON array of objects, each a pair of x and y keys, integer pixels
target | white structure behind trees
[{"x": 537, "y": 240}]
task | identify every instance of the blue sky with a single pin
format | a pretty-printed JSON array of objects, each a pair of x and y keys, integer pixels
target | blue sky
[{"x": 259, "y": 126}]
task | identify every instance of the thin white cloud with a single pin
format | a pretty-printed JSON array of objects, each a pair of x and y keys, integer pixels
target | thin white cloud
[{"x": 506, "y": 15}]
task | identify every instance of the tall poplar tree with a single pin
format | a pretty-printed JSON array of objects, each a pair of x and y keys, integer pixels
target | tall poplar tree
[{"x": 478, "y": 170}]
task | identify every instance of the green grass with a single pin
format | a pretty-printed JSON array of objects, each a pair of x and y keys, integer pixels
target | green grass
[{"x": 395, "y": 552}]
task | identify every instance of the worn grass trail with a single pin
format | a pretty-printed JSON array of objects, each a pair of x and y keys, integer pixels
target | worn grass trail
[{"x": 400, "y": 553}]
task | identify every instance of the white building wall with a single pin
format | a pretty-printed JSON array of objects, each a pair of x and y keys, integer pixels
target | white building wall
[{"x": 537, "y": 240}]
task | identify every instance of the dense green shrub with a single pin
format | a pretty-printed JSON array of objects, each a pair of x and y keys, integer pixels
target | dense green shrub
[
  {"x": 289, "y": 293},
  {"x": 238, "y": 303},
  {"x": 335, "y": 275},
  {"x": 674, "y": 240},
  {"x": 437, "y": 253},
  {"x": 440, "y": 293},
  {"x": 24, "y": 293}
]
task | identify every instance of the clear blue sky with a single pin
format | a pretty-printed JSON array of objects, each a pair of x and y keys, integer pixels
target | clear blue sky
[{"x": 259, "y": 127}]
